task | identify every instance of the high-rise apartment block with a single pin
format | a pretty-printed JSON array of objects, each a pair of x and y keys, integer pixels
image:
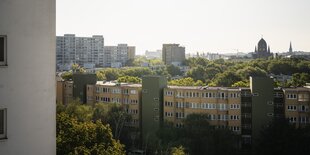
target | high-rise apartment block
[
  {"x": 118, "y": 56},
  {"x": 173, "y": 54},
  {"x": 81, "y": 50}
]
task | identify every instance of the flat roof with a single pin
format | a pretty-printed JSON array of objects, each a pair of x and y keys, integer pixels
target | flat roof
[
  {"x": 104, "y": 83},
  {"x": 204, "y": 88}
]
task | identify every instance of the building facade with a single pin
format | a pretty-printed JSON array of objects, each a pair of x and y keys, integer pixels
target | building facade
[
  {"x": 84, "y": 51},
  {"x": 126, "y": 95},
  {"x": 245, "y": 110},
  {"x": 153, "y": 54},
  {"x": 118, "y": 56},
  {"x": 173, "y": 54},
  {"x": 221, "y": 104},
  {"x": 27, "y": 77},
  {"x": 64, "y": 94}
]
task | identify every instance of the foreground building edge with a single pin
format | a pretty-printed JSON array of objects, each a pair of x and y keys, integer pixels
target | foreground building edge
[{"x": 30, "y": 111}]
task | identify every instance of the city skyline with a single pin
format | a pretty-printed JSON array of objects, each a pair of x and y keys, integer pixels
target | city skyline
[{"x": 204, "y": 26}]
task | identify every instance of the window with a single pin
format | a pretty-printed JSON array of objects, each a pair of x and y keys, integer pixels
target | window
[
  {"x": 270, "y": 102},
  {"x": 291, "y": 107},
  {"x": 291, "y": 96},
  {"x": 255, "y": 94},
  {"x": 270, "y": 114},
  {"x": 3, "y": 51},
  {"x": 133, "y": 92},
  {"x": 2, "y": 123}
]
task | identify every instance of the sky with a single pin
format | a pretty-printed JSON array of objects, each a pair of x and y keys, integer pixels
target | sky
[{"x": 218, "y": 26}]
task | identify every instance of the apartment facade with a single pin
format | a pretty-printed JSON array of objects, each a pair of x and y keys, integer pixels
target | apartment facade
[
  {"x": 223, "y": 105},
  {"x": 245, "y": 111},
  {"x": 84, "y": 51},
  {"x": 297, "y": 102},
  {"x": 126, "y": 95},
  {"x": 173, "y": 54},
  {"x": 64, "y": 92},
  {"x": 27, "y": 77},
  {"x": 118, "y": 56}
]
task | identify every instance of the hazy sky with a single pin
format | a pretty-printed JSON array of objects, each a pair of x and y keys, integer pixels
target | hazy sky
[{"x": 199, "y": 25}]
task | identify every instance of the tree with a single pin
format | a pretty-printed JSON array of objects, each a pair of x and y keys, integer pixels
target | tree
[
  {"x": 282, "y": 67},
  {"x": 111, "y": 74},
  {"x": 241, "y": 84},
  {"x": 117, "y": 117},
  {"x": 199, "y": 136},
  {"x": 186, "y": 82},
  {"x": 75, "y": 137},
  {"x": 177, "y": 151},
  {"x": 281, "y": 137},
  {"x": 300, "y": 79},
  {"x": 248, "y": 71},
  {"x": 174, "y": 70},
  {"x": 80, "y": 111},
  {"x": 225, "y": 79},
  {"x": 67, "y": 75},
  {"x": 197, "y": 73},
  {"x": 129, "y": 79}
]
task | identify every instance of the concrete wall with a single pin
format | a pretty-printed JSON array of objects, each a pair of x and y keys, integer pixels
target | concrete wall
[
  {"x": 28, "y": 84},
  {"x": 262, "y": 103},
  {"x": 151, "y": 107}
]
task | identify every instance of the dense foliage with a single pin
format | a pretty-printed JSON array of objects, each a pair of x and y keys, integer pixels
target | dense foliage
[
  {"x": 198, "y": 137},
  {"x": 218, "y": 72},
  {"x": 86, "y": 129},
  {"x": 213, "y": 73},
  {"x": 281, "y": 137}
]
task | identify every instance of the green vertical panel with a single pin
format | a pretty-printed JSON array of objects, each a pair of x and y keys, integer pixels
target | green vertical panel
[
  {"x": 152, "y": 99},
  {"x": 262, "y": 112}
]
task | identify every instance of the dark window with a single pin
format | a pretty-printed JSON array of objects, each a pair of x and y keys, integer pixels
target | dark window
[
  {"x": 2, "y": 50},
  {"x": 2, "y": 123}
]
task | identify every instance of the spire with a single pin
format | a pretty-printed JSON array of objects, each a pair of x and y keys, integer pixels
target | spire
[
  {"x": 268, "y": 49},
  {"x": 291, "y": 49},
  {"x": 255, "y": 50}
]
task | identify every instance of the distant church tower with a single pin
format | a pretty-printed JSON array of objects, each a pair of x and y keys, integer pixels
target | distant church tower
[
  {"x": 262, "y": 50},
  {"x": 291, "y": 49}
]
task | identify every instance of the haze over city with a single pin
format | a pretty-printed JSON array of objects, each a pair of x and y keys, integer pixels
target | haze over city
[{"x": 199, "y": 25}]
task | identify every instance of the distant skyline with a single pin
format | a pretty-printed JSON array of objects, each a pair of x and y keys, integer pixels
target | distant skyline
[{"x": 220, "y": 26}]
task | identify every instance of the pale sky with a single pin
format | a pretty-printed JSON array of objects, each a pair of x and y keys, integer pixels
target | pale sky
[{"x": 222, "y": 26}]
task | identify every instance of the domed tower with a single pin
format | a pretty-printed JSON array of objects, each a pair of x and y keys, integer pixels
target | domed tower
[
  {"x": 262, "y": 46},
  {"x": 262, "y": 50}
]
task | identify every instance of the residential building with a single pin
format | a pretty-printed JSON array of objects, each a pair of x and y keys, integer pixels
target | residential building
[
  {"x": 127, "y": 95},
  {"x": 297, "y": 102},
  {"x": 221, "y": 104},
  {"x": 153, "y": 54},
  {"x": 131, "y": 52},
  {"x": 27, "y": 77},
  {"x": 64, "y": 94},
  {"x": 262, "y": 103},
  {"x": 244, "y": 110},
  {"x": 80, "y": 81},
  {"x": 151, "y": 106},
  {"x": 118, "y": 56},
  {"x": 84, "y": 51},
  {"x": 173, "y": 54}
]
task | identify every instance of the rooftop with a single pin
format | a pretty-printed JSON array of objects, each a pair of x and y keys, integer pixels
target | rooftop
[{"x": 110, "y": 83}]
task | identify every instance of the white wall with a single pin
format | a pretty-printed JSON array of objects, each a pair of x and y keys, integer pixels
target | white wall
[{"x": 27, "y": 84}]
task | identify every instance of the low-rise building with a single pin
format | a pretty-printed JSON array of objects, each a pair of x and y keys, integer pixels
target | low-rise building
[{"x": 127, "y": 95}]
